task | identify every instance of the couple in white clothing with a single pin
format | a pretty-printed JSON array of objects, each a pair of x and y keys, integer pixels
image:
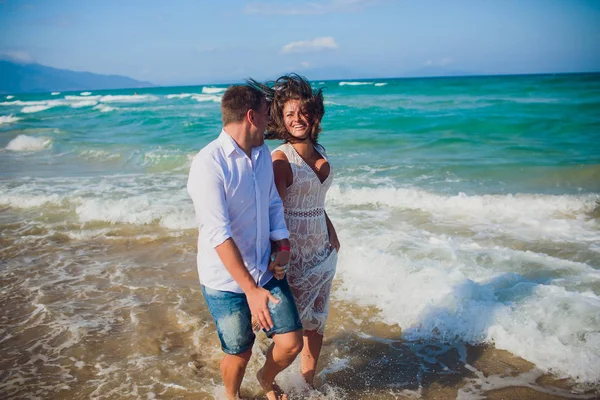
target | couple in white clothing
[{"x": 237, "y": 192}]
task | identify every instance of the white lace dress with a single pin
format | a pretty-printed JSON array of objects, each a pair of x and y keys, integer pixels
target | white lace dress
[{"x": 312, "y": 264}]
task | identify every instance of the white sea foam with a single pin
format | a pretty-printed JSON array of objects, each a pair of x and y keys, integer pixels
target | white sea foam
[
  {"x": 82, "y": 98},
  {"x": 85, "y": 93},
  {"x": 128, "y": 98},
  {"x": 110, "y": 200},
  {"x": 54, "y": 93},
  {"x": 355, "y": 83},
  {"x": 434, "y": 271},
  {"x": 8, "y": 119},
  {"x": 179, "y": 96},
  {"x": 381, "y": 84},
  {"x": 99, "y": 155},
  {"x": 37, "y": 106},
  {"x": 207, "y": 97},
  {"x": 21, "y": 103},
  {"x": 9, "y": 97},
  {"x": 28, "y": 143},
  {"x": 34, "y": 109},
  {"x": 87, "y": 103},
  {"x": 452, "y": 286},
  {"x": 523, "y": 216},
  {"x": 104, "y": 108},
  {"x": 212, "y": 90}
]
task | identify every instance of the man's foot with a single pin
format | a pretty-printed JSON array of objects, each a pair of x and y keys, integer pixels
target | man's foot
[{"x": 272, "y": 390}]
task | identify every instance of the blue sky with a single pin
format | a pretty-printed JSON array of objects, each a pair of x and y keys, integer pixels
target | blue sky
[{"x": 193, "y": 42}]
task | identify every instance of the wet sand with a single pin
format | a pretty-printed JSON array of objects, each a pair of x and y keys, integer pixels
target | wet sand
[{"x": 119, "y": 314}]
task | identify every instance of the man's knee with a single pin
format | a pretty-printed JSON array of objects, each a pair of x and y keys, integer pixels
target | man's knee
[
  {"x": 290, "y": 342},
  {"x": 238, "y": 360}
]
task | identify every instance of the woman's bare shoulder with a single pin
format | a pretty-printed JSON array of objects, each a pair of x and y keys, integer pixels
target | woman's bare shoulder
[{"x": 279, "y": 155}]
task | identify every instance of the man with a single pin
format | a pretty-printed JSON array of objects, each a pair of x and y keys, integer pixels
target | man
[{"x": 239, "y": 212}]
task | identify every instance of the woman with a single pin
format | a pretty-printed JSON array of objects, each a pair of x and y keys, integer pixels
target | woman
[{"x": 303, "y": 174}]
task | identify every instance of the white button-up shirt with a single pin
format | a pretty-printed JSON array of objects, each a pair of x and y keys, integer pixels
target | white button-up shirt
[{"x": 235, "y": 197}]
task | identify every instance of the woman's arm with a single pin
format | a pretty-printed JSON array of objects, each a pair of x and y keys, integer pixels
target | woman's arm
[
  {"x": 333, "y": 238},
  {"x": 282, "y": 172}
]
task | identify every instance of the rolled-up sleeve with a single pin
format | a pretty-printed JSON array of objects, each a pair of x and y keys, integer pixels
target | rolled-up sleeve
[
  {"x": 206, "y": 188},
  {"x": 276, "y": 218}
]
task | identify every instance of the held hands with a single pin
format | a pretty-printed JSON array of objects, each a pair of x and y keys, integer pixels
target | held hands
[
  {"x": 258, "y": 303},
  {"x": 279, "y": 262}
]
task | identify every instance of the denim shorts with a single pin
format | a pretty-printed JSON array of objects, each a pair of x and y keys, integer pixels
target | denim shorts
[{"x": 232, "y": 316}]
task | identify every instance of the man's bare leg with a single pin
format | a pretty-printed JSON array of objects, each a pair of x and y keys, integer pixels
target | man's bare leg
[
  {"x": 283, "y": 351},
  {"x": 233, "y": 367},
  {"x": 310, "y": 355}
]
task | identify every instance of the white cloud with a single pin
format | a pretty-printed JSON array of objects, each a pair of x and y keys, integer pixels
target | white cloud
[
  {"x": 305, "y": 65},
  {"x": 311, "y": 8},
  {"x": 17, "y": 56},
  {"x": 308, "y": 46}
]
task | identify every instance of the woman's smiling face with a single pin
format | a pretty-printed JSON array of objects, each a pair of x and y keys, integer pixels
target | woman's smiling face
[{"x": 295, "y": 121}]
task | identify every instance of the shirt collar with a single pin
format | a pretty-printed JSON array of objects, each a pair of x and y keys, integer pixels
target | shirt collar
[{"x": 230, "y": 146}]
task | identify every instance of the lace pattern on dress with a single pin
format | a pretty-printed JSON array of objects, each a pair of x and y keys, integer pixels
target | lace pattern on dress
[{"x": 312, "y": 263}]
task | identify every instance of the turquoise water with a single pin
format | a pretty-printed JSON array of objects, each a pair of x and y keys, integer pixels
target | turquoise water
[
  {"x": 468, "y": 211},
  {"x": 535, "y": 134}
]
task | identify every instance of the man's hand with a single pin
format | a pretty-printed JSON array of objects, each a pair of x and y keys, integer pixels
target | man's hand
[{"x": 258, "y": 299}]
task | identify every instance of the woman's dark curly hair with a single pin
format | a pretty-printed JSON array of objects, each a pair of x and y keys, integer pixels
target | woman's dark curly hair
[{"x": 292, "y": 87}]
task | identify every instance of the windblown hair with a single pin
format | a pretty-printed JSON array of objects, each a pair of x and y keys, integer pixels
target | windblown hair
[
  {"x": 292, "y": 87},
  {"x": 237, "y": 100}
]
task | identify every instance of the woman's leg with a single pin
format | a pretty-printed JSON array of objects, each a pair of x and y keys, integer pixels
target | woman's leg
[{"x": 310, "y": 355}]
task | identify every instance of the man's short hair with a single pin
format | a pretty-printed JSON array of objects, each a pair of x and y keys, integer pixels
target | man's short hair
[{"x": 237, "y": 100}]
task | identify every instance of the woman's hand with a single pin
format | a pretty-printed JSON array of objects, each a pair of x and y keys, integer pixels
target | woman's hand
[
  {"x": 334, "y": 242},
  {"x": 279, "y": 264}
]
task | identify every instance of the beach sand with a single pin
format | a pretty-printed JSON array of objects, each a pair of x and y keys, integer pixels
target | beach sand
[{"x": 121, "y": 318}]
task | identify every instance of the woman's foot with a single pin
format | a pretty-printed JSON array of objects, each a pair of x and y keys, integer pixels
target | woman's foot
[{"x": 272, "y": 390}]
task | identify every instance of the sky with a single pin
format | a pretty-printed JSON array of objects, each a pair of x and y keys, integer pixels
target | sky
[{"x": 181, "y": 42}]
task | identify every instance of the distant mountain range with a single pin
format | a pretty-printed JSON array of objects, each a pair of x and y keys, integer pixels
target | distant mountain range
[{"x": 26, "y": 78}]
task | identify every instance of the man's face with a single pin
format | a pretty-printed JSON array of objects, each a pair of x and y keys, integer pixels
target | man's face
[{"x": 261, "y": 119}]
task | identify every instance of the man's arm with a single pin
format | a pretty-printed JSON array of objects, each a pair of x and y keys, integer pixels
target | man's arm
[
  {"x": 207, "y": 189},
  {"x": 257, "y": 297}
]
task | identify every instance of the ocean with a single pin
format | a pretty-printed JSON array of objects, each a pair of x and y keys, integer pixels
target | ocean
[{"x": 468, "y": 211}]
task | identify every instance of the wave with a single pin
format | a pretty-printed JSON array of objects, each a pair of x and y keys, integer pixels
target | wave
[
  {"x": 54, "y": 93},
  {"x": 85, "y": 93},
  {"x": 435, "y": 286},
  {"x": 440, "y": 288},
  {"x": 9, "y": 97},
  {"x": 104, "y": 108},
  {"x": 99, "y": 155},
  {"x": 28, "y": 143},
  {"x": 523, "y": 216},
  {"x": 179, "y": 96},
  {"x": 381, "y": 84},
  {"x": 212, "y": 90},
  {"x": 8, "y": 119},
  {"x": 82, "y": 98},
  {"x": 37, "y": 106},
  {"x": 133, "y": 199},
  {"x": 354, "y": 83},
  {"x": 128, "y": 98},
  {"x": 81, "y": 104},
  {"x": 34, "y": 109},
  {"x": 466, "y": 284},
  {"x": 22, "y": 103},
  {"x": 207, "y": 97}
]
